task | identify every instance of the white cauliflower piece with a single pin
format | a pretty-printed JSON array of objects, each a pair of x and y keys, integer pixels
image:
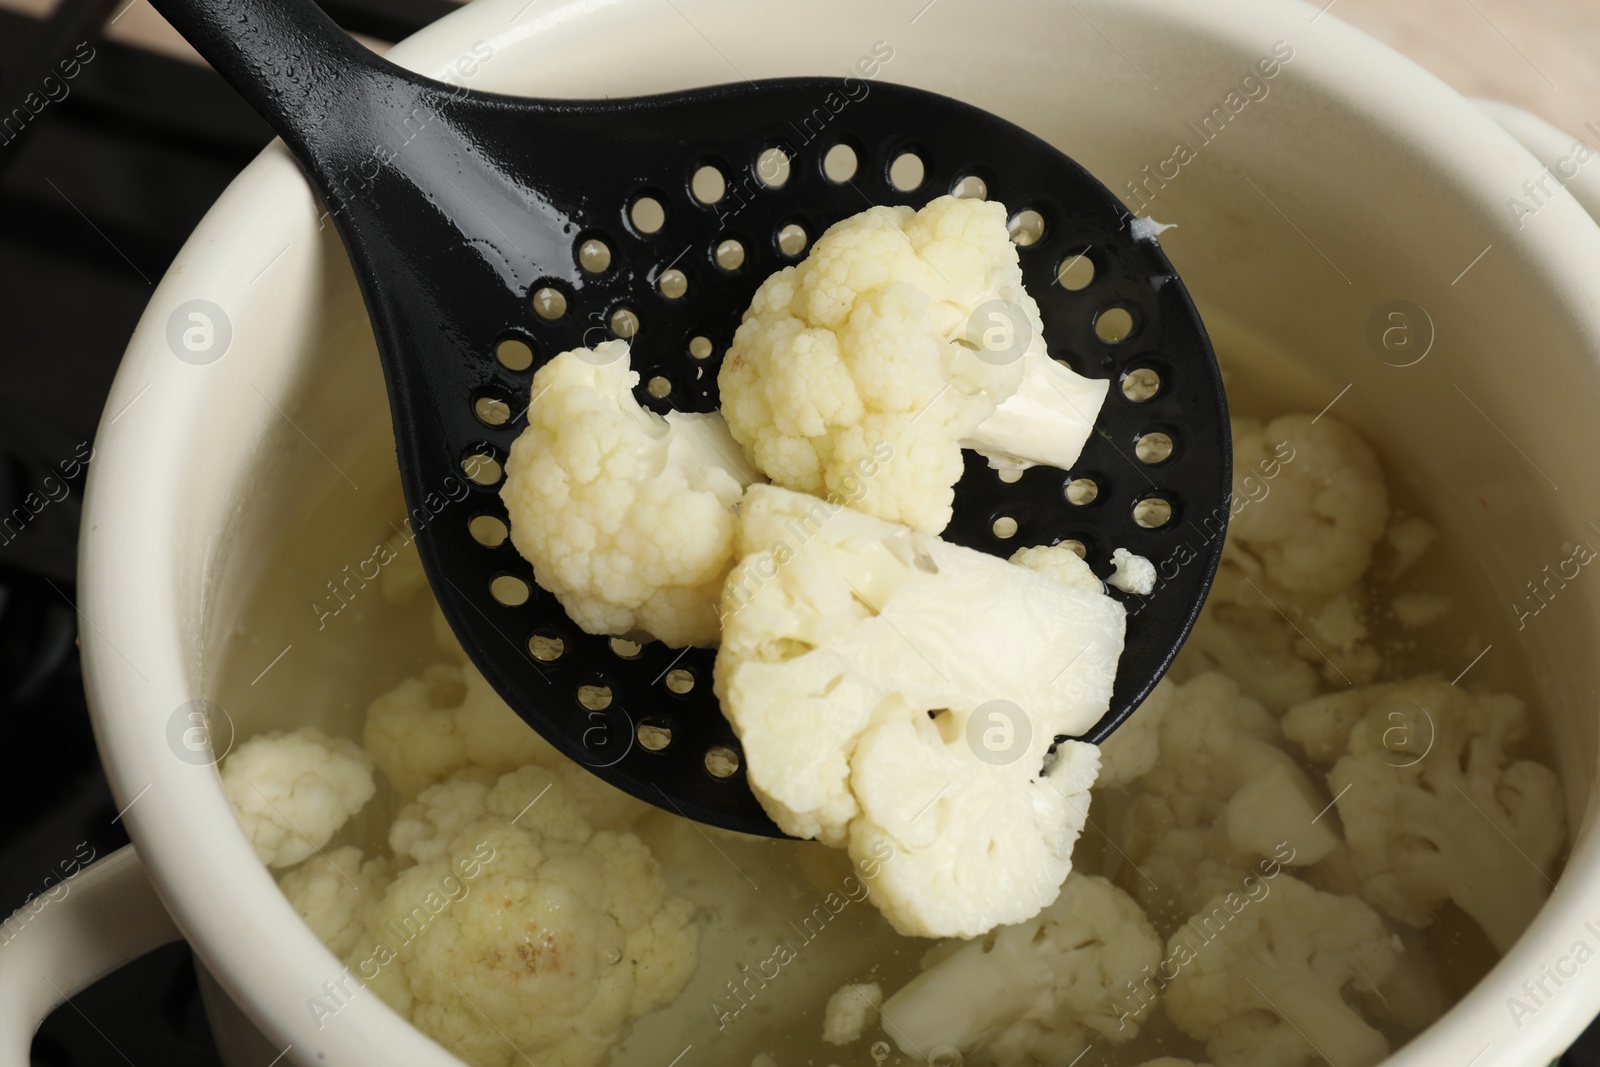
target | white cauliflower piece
[
  {"x": 429, "y": 728},
  {"x": 842, "y": 634},
  {"x": 847, "y": 1011},
  {"x": 1434, "y": 807},
  {"x": 1264, "y": 980},
  {"x": 627, "y": 517},
  {"x": 335, "y": 894},
  {"x": 1410, "y": 539},
  {"x": 1134, "y": 574},
  {"x": 853, "y": 376},
  {"x": 1133, "y": 748},
  {"x": 1220, "y": 795},
  {"x": 291, "y": 792},
  {"x": 1035, "y": 992},
  {"x": 1252, "y": 645},
  {"x": 525, "y": 933},
  {"x": 1328, "y": 505}
]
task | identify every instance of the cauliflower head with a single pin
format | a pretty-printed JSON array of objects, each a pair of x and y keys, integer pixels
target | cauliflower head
[
  {"x": 518, "y": 930},
  {"x": 1035, "y": 992},
  {"x": 1313, "y": 532},
  {"x": 847, "y": 1011},
  {"x": 852, "y": 375},
  {"x": 449, "y": 719},
  {"x": 627, "y": 517},
  {"x": 1434, "y": 806},
  {"x": 898, "y": 695},
  {"x": 1262, "y": 977},
  {"x": 335, "y": 894},
  {"x": 291, "y": 792},
  {"x": 1220, "y": 793}
]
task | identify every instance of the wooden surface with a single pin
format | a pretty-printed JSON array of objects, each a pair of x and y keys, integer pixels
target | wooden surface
[{"x": 1542, "y": 55}]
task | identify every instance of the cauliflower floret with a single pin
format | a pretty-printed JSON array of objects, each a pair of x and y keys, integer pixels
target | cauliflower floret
[
  {"x": 853, "y": 376},
  {"x": 1433, "y": 806},
  {"x": 1314, "y": 531},
  {"x": 842, "y": 634},
  {"x": 335, "y": 894},
  {"x": 1410, "y": 539},
  {"x": 847, "y": 1011},
  {"x": 525, "y": 933},
  {"x": 429, "y": 728},
  {"x": 291, "y": 792},
  {"x": 1134, "y": 574},
  {"x": 1254, "y": 646},
  {"x": 1220, "y": 793},
  {"x": 626, "y": 517},
  {"x": 1035, "y": 992},
  {"x": 1262, "y": 979},
  {"x": 1134, "y": 747}
]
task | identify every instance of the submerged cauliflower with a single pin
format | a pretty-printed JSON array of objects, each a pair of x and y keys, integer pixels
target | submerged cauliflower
[
  {"x": 897, "y": 695},
  {"x": 627, "y": 517},
  {"x": 1327, "y": 506},
  {"x": 1220, "y": 794},
  {"x": 1036, "y": 992},
  {"x": 1434, "y": 806},
  {"x": 520, "y": 932},
  {"x": 1309, "y": 505},
  {"x": 291, "y": 792},
  {"x": 1263, "y": 979},
  {"x": 853, "y": 374},
  {"x": 428, "y": 728},
  {"x": 847, "y": 1012},
  {"x": 335, "y": 894}
]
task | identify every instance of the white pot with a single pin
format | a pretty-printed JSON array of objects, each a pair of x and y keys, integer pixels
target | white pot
[{"x": 1357, "y": 180}]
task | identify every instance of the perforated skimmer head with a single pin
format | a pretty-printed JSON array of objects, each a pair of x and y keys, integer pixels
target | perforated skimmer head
[{"x": 489, "y": 233}]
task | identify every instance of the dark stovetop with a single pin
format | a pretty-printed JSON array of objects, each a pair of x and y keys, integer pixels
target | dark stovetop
[{"x": 97, "y": 193}]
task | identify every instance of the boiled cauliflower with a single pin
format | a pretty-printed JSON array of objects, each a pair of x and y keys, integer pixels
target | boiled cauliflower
[
  {"x": 1263, "y": 980},
  {"x": 291, "y": 792},
  {"x": 1434, "y": 806},
  {"x": 518, "y": 932},
  {"x": 1036, "y": 992},
  {"x": 335, "y": 894},
  {"x": 847, "y": 1011},
  {"x": 897, "y": 695},
  {"x": 449, "y": 717},
  {"x": 860, "y": 373},
  {"x": 1328, "y": 505},
  {"x": 627, "y": 517},
  {"x": 1221, "y": 793},
  {"x": 1133, "y": 748},
  {"x": 428, "y": 728}
]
